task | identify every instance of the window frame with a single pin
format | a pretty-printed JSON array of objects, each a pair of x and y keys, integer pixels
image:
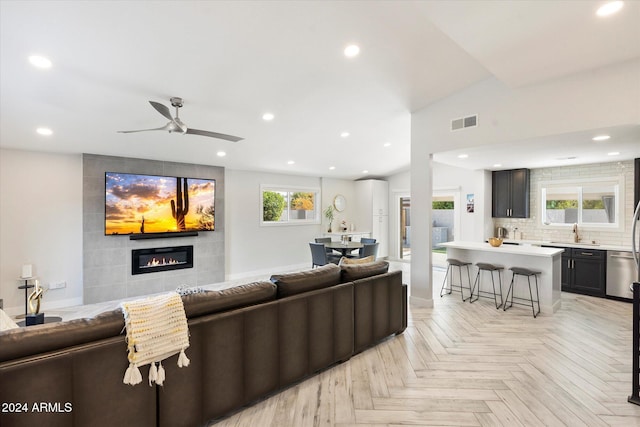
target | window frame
[
  {"x": 618, "y": 183},
  {"x": 317, "y": 217}
]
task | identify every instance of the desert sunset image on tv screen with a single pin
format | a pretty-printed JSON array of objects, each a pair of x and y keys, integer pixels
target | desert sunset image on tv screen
[{"x": 157, "y": 204}]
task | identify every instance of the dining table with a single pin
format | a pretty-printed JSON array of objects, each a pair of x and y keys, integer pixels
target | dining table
[{"x": 344, "y": 248}]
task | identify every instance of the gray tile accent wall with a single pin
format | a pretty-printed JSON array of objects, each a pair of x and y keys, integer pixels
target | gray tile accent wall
[{"x": 107, "y": 259}]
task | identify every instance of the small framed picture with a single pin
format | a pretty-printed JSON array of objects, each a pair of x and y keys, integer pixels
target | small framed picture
[{"x": 470, "y": 203}]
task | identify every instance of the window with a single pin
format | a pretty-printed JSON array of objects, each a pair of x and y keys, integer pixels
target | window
[
  {"x": 287, "y": 205},
  {"x": 587, "y": 203}
]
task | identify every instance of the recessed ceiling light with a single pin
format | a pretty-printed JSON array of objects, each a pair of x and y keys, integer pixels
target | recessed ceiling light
[
  {"x": 44, "y": 131},
  {"x": 351, "y": 51},
  {"x": 345, "y": 134},
  {"x": 267, "y": 117},
  {"x": 497, "y": 165},
  {"x": 387, "y": 144},
  {"x": 365, "y": 171},
  {"x": 221, "y": 153},
  {"x": 332, "y": 168},
  {"x": 601, "y": 138},
  {"x": 463, "y": 156},
  {"x": 613, "y": 153},
  {"x": 290, "y": 162},
  {"x": 40, "y": 61},
  {"x": 609, "y": 8}
]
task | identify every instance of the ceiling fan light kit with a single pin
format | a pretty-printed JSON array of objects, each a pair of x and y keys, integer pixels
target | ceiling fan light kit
[{"x": 176, "y": 125}]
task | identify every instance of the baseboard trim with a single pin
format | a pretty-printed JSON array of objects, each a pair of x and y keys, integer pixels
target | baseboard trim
[{"x": 421, "y": 302}]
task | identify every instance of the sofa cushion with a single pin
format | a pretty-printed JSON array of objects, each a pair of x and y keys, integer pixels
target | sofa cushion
[
  {"x": 360, "y": 271},
  {"x": 201, "y": 303},
  {"x": 36, "y": 339},
  {"x": 352, "y": 261},
  {"x": 304, "y": 281}
]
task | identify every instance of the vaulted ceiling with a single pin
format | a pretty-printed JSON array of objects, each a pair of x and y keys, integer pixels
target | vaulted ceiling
[{"x": 233, "y": 61}]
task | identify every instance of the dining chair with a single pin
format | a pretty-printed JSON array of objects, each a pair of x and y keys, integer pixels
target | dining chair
[
  {"x": 364, "y": 241},
  {"x": 319, "y": 255},
  {"x": 326, "y": 240},
  {"x": 369, "y": 249}
]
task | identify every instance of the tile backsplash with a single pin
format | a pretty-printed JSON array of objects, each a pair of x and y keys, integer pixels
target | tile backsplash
[{"x": 532, "y": 229}]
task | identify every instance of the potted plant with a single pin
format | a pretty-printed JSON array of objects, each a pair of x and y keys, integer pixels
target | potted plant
[{"x": 328, "y": 213}]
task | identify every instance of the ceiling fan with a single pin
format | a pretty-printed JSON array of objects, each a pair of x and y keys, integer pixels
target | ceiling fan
[{"x": 176, "y": 125}]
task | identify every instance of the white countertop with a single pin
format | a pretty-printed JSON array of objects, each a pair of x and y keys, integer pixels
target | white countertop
[
  {"x": 504, "y": 249},
  {"x": 570, "y": 245}
]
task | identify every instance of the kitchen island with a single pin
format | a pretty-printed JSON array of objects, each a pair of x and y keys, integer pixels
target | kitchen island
[{"x": 545, "y": 260}]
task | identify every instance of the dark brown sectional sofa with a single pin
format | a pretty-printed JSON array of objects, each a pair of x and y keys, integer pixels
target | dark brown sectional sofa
[{"x": 246, "y": 343}]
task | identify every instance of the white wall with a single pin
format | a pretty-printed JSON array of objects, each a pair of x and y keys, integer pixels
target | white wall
[
  {"x": 253, "y": 249},
  {"x": 450, "y": 178},
  {"x": 40, "y": 224},
  {"x": 332, "y": 187}
]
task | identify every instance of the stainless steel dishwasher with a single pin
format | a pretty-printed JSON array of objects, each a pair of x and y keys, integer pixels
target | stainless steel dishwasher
[{"x": 621, "y": 272}]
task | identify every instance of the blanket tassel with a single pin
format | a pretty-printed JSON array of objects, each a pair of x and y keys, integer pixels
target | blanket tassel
[
  {"x": 132, "y": 376},
  {"x": 183, "y": 360},
  {"x": 160, "y": 379},
  {"x": 153, "y": 373}
]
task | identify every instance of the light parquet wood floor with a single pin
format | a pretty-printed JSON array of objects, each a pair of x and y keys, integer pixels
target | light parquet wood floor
[{"x": 461, "y": 364}]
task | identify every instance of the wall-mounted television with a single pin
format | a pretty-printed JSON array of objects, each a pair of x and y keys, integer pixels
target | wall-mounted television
[{"x": 150, "y": 204}]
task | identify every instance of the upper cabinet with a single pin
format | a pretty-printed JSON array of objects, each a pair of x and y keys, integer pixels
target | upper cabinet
[{"x": 511, "y": 194}]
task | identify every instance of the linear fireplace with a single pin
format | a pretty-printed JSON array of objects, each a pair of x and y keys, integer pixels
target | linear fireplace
[{"x": 161, "y": 259}]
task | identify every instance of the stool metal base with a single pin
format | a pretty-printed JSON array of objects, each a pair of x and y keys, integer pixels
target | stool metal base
[
  {"x": 459, "y": 264},
  {"x": 490, "y": 269},
  {"x": 527, "y": 274}
]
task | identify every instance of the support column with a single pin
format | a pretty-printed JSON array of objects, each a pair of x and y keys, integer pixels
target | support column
[{"x": 421, "y": 204}]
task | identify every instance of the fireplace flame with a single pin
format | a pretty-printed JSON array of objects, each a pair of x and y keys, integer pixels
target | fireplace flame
[{"x": 155, "y": 262}]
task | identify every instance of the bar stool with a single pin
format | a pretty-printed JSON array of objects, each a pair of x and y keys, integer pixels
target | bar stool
[
  {"x": 451, "y": 262},
  {"x": 520, "y": 271},
  {"x": 483, "y": 266}
]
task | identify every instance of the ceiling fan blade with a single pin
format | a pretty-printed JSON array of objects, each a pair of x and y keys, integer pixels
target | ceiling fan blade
[
  {"x": 214, "y": 135},
  {"x": 162, "y": 109},
  {"x": 142, "y": 130}
]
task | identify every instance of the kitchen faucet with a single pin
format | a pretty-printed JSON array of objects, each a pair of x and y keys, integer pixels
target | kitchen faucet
[{"x": 576, "y": 238}]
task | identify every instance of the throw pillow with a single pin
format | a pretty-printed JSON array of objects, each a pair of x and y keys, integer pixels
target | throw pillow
[
  {"x": 296, "y": 283},
  {"x": 352, "y": 261},
  {"x": 361, "y": 271},
  {"x": 203, "y": 303}
]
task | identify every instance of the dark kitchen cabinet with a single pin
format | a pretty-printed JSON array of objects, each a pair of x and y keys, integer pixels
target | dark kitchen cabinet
[
  {"x": 584, "y": 271},
  {"x": 566, "y": 270},
  {"x": 510, "y": 194}
]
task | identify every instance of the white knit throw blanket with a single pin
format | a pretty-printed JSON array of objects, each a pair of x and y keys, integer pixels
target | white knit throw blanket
[
  {"x": 5, "y": 322},
  {"x": 156, "y": 329}
]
